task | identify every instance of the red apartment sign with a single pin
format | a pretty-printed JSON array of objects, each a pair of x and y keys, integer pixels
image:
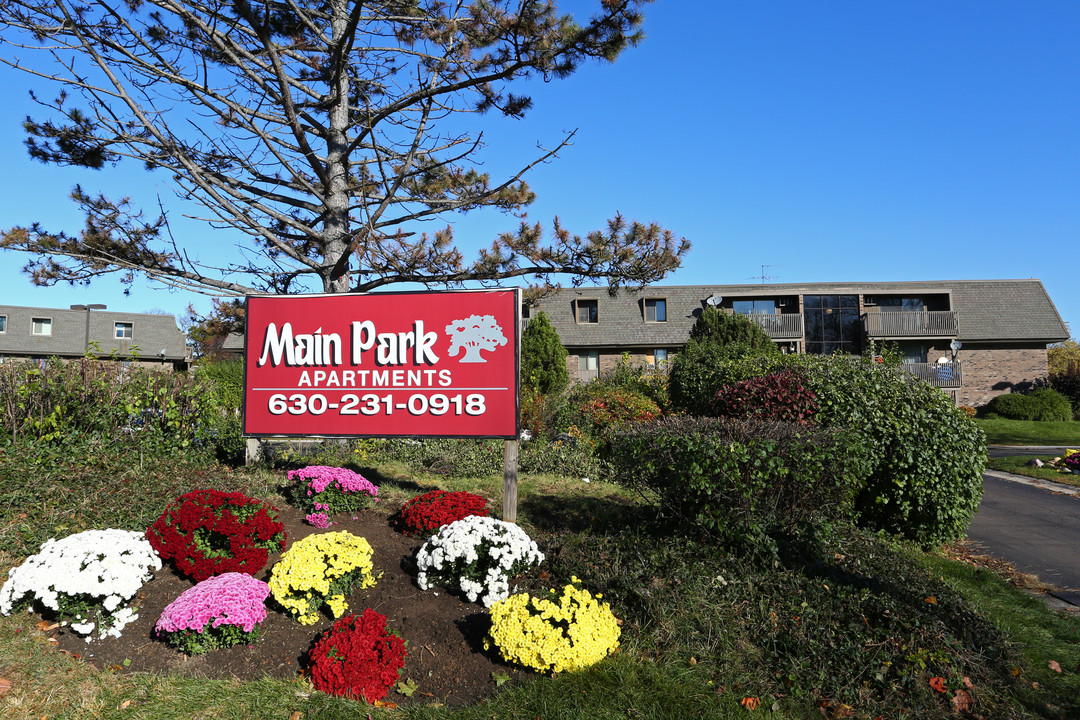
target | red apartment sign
[{"x": 383, "y": 364}]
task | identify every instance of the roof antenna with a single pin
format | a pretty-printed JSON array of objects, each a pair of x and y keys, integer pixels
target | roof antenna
[{"x": 763, "y": 277}]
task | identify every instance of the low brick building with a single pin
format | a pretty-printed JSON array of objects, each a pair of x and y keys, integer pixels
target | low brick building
[
  {"x": 973, "y": 338},
  {"x": 34, "y": 333}
]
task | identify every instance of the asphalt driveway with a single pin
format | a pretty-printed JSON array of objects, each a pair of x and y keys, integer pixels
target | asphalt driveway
[{"x": 1035, "y": 526}]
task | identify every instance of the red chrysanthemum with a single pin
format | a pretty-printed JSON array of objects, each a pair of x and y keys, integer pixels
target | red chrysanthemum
[
  {"x": 209, "y": 532},
  {"x": 357, "y": 658},
  {"x": 428, "y": 512}
]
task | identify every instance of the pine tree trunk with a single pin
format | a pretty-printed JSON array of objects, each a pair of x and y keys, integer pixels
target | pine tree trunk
[{"x": 336, "y": 234}]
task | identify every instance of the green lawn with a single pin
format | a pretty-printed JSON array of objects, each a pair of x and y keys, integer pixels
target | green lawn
[{"x": 1022, "y": 432}]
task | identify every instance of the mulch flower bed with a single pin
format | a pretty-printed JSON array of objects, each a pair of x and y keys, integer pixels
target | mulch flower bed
[{"x": 446, "y": 659}]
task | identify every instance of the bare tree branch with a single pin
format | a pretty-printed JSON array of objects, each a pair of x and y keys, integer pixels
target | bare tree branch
[{"x": 316, "y": 129}]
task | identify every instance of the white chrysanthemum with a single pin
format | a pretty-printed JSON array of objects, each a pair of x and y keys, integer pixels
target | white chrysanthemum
[
  {"x": 108, "y": 566},
  {"x": 476, "y": 555}
]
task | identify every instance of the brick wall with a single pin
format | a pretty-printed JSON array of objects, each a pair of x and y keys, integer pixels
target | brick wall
[
  {"x": 609, "y": 359},
  {"x": 990, "y": 371}
]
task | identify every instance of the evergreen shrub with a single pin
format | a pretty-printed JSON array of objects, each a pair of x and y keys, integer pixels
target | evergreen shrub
[
  {"x": 740, "y": 478},
  {"x": 1042, "y": 405},
  {"x": 543, "y": 357},
  {"x": 719, "y": 327}
]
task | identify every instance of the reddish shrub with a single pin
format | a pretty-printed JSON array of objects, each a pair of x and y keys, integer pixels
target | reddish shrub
[
  {"x": 357, "y": 658},
  {"x": 782, "y": 395},
  {"x": 209, "y": 532},
  {"x": 428, "y": 512},
  {"x": 616, "y": 406}
]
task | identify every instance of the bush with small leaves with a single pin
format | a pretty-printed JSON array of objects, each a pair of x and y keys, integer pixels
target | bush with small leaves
[{"x": 926, "y": 454}]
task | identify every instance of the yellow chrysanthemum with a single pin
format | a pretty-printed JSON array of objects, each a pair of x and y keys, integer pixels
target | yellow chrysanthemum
[
  {"x": 312, "y": 571},
  {"x": 570, "y": 632}
]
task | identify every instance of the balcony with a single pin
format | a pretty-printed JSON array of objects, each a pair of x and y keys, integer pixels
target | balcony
[
  {"x": 926, "y": 324},
  {"x": 942, "y": 375},
  {"x": 780, "y": 327}
]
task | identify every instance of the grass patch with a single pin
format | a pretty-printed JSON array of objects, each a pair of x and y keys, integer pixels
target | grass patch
[
  {"x": 1018, "y": 465},
  {"x": 1030, "y": 432},
  {"x": 1041, "y": 635}
]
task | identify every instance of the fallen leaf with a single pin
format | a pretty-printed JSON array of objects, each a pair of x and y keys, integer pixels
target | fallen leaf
[
  {"x": 380, "y": 703},
  {"x": 5, "y": 685},
  {"x": 693, "y": 660},
  {"x": 124, "y": 705},
  {"x": 750, "y": 703},
  {"x": 1035, "y": 685},
  {"x": 967, "y": 683},
  {"x": 1016, "y": 672},
  {"x": 1053, "y": 665},
  {"x": 961, "y": 701},
  {"x": 296, "y": 715},
  {"x": 931, "y": 600},
  {"x": 938, "y": 683},
  {"x": 843, "y": 711},
  {"x": 46, "y": 626}
]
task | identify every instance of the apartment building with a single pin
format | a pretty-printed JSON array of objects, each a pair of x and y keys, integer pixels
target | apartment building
[
  {"x": 34, "y": 333},
  {"x": 973, "y": 338}
]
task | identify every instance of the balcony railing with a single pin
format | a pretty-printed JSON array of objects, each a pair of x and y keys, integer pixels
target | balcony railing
[
  {"x": 929, "y": 323},
  {"x": 942, "y": 375},
  {"x": 780, "y": 327}
]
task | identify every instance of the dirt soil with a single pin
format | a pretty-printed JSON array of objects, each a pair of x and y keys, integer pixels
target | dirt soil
[{"x": 445, "y": 632}]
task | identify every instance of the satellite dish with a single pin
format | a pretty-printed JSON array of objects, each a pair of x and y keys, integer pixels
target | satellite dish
[
  {"x": 714, "y": 300},
  {"x": 955, "y": 345}
]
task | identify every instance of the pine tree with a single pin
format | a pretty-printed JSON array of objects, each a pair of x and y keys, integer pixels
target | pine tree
[
  {"x": 721, "y": 328},
  {"x": 543, "y": 357},
  {"x": 325, "y": 132}
]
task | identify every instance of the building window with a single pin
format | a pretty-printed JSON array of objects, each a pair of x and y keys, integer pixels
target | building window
[
  {"x": 589, "y": 362},
  {"x": 3, "y": 323},
  {"x": 659, "y": 356},
  {"x": 832, "y": 324},
  {"x": 901, "y": 304},
  {"x": 587, "y": 311},
  {"x": 655, "y": 310},
  {"x": 754, "y": 307},
  {"x": 41, "y": 326},
  {"x": 124, "y": 330}
]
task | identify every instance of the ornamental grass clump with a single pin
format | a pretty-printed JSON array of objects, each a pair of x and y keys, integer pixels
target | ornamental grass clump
[
  {"x": 219, "y": 612},
  {"x": 478, "y": 556},
  {"x": 568, "y": 632},
  {"x": 209, "y": 532},
  {"x": 359, "y": 657},
  {"x": 336, "y": 489},
  {"x": 87, "y": 579},
  {"x": 321, "y": 570},
  {"x": 429, "y": 512}
]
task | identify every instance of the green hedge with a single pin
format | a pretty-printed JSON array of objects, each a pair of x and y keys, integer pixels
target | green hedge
[
  {"x": 741, "y": 479},
  {"x": 1042, "y": 405}
]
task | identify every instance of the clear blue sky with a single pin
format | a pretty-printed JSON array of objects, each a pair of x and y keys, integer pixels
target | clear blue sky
[{"x": 839, "y": 141}]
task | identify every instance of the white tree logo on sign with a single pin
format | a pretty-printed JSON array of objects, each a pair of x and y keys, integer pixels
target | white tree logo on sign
[{"x": 473, "y": 334}]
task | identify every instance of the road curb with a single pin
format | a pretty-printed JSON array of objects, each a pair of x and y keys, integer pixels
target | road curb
[{"x": 1034, "y": 482}]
